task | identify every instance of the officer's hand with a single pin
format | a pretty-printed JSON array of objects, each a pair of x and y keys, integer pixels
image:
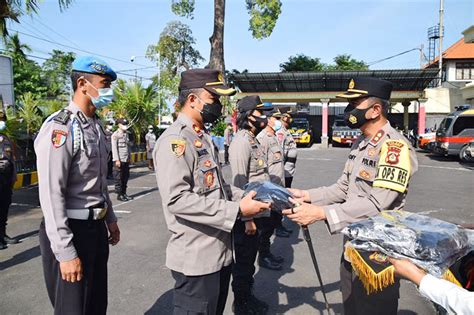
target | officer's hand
[
  {"x": 250, "y": 207},
  {"x": 250, "y": 227},
  {"x": 117, "y": 163},
  {"x": 304, "y": 213},
  {"x": 408, "y": 270},
  {"x": 71, "y": 271},
  {"x": 300, "y": 195},
  {"x": 114, "y": 233}
]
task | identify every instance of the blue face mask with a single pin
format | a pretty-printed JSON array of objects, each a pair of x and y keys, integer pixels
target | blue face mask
[
  {"x": 3, "y": 125},
  {"x": 106, "y": 96},
  {"x": 276, "y": 125}
]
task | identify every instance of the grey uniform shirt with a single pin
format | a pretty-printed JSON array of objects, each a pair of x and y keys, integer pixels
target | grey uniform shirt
[
  {"x": 7, "y": 159},
  {"x": 228, "y": 136},
  {"x": 196, "y": 200},
  {"x": 150, "y": 139},
  {"x": 248, "y": 162},
  {"x": 274, "y": 153},
  {"x": 353, "y": 198},
  {"x": 70, "y": 181},
  {"x": 290, "y": 151},
  {"x": 120, "y": 146}
]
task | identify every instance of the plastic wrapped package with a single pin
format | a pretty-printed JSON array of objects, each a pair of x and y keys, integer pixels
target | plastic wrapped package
[
  {"x": 270, "y": 192},
  {"x": 432, "y": 244}
]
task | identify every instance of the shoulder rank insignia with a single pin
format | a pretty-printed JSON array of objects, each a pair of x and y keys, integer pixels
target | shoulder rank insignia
[
  {"x": 394, "y": 166},
  {"x": 62, "y": 117},
  {"x": 58, "y": 138},
  {"x": 178, "y": 147},
  {"x": 378, "y": 136},
  {"x": 198, "y": 143}
]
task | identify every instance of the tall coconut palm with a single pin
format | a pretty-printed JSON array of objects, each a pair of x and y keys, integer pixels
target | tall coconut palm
[{"x": 13, "y": 9}]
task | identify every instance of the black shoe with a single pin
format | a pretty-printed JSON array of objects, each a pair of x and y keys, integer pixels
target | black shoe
[
  {"x": 259, "y": 306},
  {"x": 266, "y": 262},
  {"x": 275, "y": 258},
  {"x": 122, "y": 198},
  {"x": 242, "y": 306},
  {"x": 128, "y": 197},
  {"x": 10, "y": 240},
  {"x": 3, "y": 246},
  {"x": 281, "y": 233}
]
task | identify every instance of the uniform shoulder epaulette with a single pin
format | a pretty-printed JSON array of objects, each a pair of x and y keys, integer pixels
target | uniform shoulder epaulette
[{"x": 63, "y": 116}]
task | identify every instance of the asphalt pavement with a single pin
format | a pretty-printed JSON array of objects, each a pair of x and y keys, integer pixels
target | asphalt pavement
[{"x": 140, "y": 283}]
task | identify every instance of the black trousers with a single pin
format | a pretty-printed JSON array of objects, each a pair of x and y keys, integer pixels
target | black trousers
[
  {"x": 110, "y": 166},
  {"x": 88, "y": 296},
  {"x": 201, "y": 295},
  {"x": 267, "y": 228},
  {"x": 5, "y": 202},
  {"x": 226, "y": 154},
  {"x": 288, "y": 181},
  {"x": 355, "y": 298},
  {"x": 246, "y": 249},
  {"x": 121, "y": 175}
]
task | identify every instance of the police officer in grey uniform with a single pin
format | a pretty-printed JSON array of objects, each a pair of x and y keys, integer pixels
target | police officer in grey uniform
[
  {"x": 249, "y": 164},
  {"x": 79, "y": 222},
  {"x": 7, "y": 180},
  {"x": 200, "y": 208},
  {"x": 150, "y": 139},
  {"x": 109, "y": 130},
  {"x": 289, "y": 146},
  {"x": 274, "y": 155},
  {"x": 376, "y": 176},
  {"x": 121, "y": 157}
]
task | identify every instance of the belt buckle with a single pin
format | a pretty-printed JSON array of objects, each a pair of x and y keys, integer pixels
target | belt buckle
[{"x": 102, "y": 213}]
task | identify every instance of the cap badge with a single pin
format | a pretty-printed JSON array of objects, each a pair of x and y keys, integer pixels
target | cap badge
[
  {"x": 351, "y": 84},
  {"x": 353, "y": 119},
  {"x": 99, "y": 67}
]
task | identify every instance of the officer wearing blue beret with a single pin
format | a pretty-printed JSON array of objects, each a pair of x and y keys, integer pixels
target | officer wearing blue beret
[{"x": 79, "y": 222}]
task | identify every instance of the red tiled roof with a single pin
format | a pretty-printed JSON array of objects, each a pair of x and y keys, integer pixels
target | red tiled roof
[{"x": 459, "y": 50}]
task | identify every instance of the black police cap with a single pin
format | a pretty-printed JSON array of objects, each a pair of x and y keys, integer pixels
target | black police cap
[
  {"x": 209, "y": 79},
  {"x": 250, "y": 102},
  {"x": 367, "y": 86},
  {"x": 122, "y": 121}
]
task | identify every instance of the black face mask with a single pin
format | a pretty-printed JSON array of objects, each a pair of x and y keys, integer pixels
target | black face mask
[
  {"x": 259, "y": 124},
  {"x": 211, "y": 112},
  {"x": 354, "y": 117}
]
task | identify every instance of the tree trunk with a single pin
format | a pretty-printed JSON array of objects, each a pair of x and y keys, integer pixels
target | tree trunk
[{"x": 216, "y": 60}]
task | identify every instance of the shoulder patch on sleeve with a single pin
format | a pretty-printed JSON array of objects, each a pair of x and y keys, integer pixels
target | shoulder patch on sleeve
[
  {"x": 58, "y": 138},
  {"x": 394, "y": 166},
  {"x": 62, "y": 117},
  {"x": 178, "y": 146}
]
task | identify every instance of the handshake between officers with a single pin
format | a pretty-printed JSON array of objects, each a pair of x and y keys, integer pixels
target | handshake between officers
[
  {"x": 200, "y": 208},
  {"x": 376, "y": 177}
]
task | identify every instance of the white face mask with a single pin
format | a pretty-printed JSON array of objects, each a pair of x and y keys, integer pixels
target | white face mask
[
  {"x": 123, "y": 127},
  {"x": 276, "y": 125},
  {"x": 3, "y": 125}
]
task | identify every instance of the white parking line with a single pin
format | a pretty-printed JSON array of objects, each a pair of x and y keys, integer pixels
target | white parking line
[
  {"x": 122, "y": 211},
  {"x": 139, "y": 197},
  {"x": 447, "y": 168},
  {"x": 315, "y": 159},
  {"x": 23, "y": 204}
]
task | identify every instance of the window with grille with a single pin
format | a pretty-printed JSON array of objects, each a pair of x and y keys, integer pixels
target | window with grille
[{"x": 465, "y": 71}]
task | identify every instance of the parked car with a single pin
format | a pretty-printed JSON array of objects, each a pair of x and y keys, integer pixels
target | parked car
[
  {"x": 343, "y": 135},
  {"x": 302, "y": 132}
]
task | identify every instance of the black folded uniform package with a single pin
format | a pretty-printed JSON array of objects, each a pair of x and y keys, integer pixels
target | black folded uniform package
[{"x": 270, "y": 192}]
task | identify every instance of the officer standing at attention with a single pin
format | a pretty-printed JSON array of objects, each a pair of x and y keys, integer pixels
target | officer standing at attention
[
  {"x": 108, "y": 136},
  {"x": 248, "y": 164},
  {"x": 7, "y": 180},
  {"x": 228, "y": 134},
  {"x": 274, "y": 155},
  {"x": 150, "y": 139},
  {"x": 121, "y": 158},
  {"x": 376, "y": 176},
  {"x": 196, "y": 200},
  {"x": 79, "y": 221},
  {"x": 289, "y": 147}
]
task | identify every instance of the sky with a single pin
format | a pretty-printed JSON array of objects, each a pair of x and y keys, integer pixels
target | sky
[{"x": 367, "y": 30}]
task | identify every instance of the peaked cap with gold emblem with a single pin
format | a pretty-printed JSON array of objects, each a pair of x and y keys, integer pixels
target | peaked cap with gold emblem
[
  {"x": 209, "y": 79},
  {"x": 367, "y": 86}
]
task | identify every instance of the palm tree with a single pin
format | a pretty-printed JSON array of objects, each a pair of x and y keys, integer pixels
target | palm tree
[
  {"x": 13, "y": 9},
  {"x": 16, "y": 49}
]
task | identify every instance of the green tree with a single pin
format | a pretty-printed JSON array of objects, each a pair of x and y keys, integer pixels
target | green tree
[
  {"x": 301, "y": 62},
  {"x": 345, "y": 63},
  {"x": 137, "y": 103},
  {"x": 27, "y": 74},
  {"x": 13, "y": 9},
  {"x": 30, "y": 117},
  {"x": 57, "y": 72},
  {"x": 263, "y": 17}
]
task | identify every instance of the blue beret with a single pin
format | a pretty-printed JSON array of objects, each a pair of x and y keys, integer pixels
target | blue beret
[{"x": 94, "y": 65}]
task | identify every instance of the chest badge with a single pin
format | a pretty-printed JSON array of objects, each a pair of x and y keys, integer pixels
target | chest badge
[
  {"x": 260, "y": 162},
  {"x": 364, "y": 174},
  {"x": 198, "y": 130},
  {"x": 372, "y": 152},
  {"x": 209, "y": 179},
  {"x": 198, "y": 143},
  {"x": 178, "y": 147},
  {"x": 207, "y": 163},
  {"x": 58, "y": 138}
]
